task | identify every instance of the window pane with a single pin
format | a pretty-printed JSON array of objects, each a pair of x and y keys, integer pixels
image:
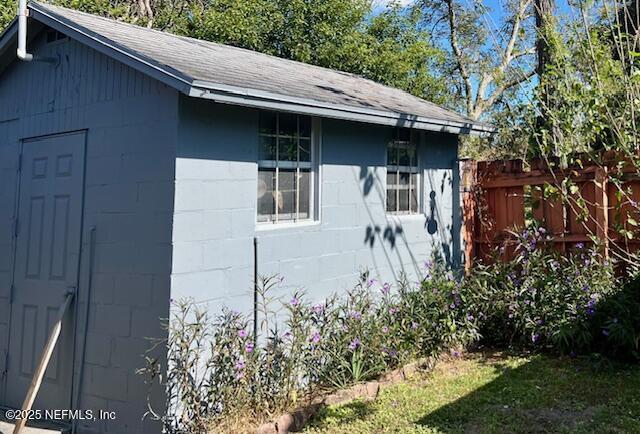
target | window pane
[
  {"x": 392, "y": 156},
  {"x": 288, "y": 149},
  {"x": 288, "y": 124},
  {"x": 305, "y": 150},
  {"x": 403, "y": 199},
  {"x": 414, "y": 192},
  {"x": 305, "y": 126},
  {"x": 391, "y": 192},
  {"x": 267, "y": 123},
  {"x": 267, "y": 148},
  {"x": 404, "y": 157},
  {"x": 266, "y": 196},
  {"x": 305, "y": 193},
  {"x": 286, "y": 194}
]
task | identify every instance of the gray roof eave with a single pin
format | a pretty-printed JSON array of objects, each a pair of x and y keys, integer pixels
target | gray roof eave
[
  {"x": 244, "y": 96},
  {"x": 267, "y": 100}
]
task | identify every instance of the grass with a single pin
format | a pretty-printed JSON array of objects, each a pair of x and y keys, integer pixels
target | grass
[{"x": 498, "y": 393}]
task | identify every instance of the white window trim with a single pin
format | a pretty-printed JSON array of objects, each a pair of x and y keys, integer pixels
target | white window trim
[
  {"x": 404, "y": 169},
  {"x": 315, "y": 183}
]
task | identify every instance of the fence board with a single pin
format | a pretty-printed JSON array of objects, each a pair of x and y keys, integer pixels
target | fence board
[{"x": 499, "y": 196}]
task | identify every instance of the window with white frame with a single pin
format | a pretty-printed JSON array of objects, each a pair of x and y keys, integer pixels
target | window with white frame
[
  {"x": 403, "y": 178},
  {"x": 285, "y": 168}
]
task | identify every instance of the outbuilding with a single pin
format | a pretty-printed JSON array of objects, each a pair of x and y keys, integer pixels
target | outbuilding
[{"x": 138, "y": 167}]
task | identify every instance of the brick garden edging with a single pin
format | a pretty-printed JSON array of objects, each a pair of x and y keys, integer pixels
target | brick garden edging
[{"x": 296, "y": 420}]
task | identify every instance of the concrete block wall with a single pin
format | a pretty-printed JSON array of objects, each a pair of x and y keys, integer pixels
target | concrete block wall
[
  {"x": 131, "y": 124},
  {"x": 215, "y": 211}
]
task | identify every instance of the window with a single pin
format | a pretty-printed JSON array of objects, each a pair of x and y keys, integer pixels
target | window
[
  {"x": 403, "y": 187},
  {"x": 285, "y": 168}
]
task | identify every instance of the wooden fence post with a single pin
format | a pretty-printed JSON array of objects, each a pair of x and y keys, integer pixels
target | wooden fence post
[
  {"x": 602, "y": 208},
  {"x": 469, "y": 179}
]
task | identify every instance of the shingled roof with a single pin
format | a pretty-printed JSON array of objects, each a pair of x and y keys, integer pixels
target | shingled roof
[{"x": 238, "y": 76}]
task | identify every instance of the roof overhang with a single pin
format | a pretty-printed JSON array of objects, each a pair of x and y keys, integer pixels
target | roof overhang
[{"x": 235, "y": 95}]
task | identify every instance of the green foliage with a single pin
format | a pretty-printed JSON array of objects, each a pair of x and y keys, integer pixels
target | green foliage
[
  {"x": 215, "y": 371},
  {"x": 571, "y": 303},
  {"x": 7, "y": 12},
  {"x": 497, "y": 393}
]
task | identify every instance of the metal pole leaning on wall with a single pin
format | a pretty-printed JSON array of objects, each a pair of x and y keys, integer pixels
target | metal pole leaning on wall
[
  {"x": 38, "y": 375},
  {"x": 255, "y": 291}
]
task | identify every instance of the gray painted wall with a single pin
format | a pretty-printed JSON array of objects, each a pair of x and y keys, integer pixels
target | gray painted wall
[
  {"x": 132, "y": 129},
  {"x": 171, "y": 188},
  {"x": 215, "y": 211}
]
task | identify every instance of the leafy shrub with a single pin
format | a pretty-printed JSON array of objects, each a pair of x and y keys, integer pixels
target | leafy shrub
[
  {"x": 569, "y": 302},
  {"x": 217, "y": 369}
]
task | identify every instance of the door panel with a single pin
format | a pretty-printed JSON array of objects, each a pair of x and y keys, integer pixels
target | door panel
[{"x": 47, "y": 256}]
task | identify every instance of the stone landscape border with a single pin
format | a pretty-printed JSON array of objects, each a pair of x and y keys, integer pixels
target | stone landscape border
[{"x": 297, "y": 419}]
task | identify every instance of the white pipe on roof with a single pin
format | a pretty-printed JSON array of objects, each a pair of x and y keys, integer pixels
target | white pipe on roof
[{"x": 23, "y": 13}]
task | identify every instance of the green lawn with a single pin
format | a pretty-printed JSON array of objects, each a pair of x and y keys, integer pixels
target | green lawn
[{"x": 498, "y": 394}]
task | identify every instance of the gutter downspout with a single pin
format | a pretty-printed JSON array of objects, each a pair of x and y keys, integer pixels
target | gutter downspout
[{"x": 23, "y": 13}]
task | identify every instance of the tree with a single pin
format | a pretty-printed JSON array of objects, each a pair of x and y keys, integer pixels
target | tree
[{"x": 488, "y": 61}]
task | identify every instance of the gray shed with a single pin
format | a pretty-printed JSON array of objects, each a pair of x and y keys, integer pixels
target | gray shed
[{"x": 138, "y": 166}]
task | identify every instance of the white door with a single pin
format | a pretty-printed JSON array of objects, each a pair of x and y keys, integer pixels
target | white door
[{"x": 47, "y": 260}]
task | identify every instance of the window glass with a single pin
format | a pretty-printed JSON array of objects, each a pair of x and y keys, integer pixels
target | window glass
[
  {"x": 285, "y": 168},
  {"x": 403, "y": 179},
  {"x": 266, "y": 194},
  {"x": 268, "y": 148}
]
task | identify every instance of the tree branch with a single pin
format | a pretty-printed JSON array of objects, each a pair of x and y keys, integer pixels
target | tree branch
[{"x": 457, "y": 52}]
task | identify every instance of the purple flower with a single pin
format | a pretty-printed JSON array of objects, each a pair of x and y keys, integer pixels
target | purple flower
[
  {"x": 371, "y": 282},
  {"x": 240, "y": 365},
  {"x": 605, "y": 332},
  {"x": 294, "y": 301},
  {"x": 354, "y": 344},
  {"x": 470, "y": 317},
  {"x": 591, "y": 311},
  {"x": 455, "y": 353},
  {"x": 385, "y": 330},
  {"x": 414, "y": 326},
  {"x": 242, "y": 333},
  {"x": 315, "y": 337},
  {"x": 542, "y": 230},
  {"x": 249, "y": 347},
  {"x": 318, "y": 309},
  {"x": 452, "y": 306},
  {"x": 386, "y": 288},
  {"x": 355, "y": 315},
  {"x": 580, "y": 246},
  {"x": 393, "y": 310},
  {"x": 535, "y": 337}
]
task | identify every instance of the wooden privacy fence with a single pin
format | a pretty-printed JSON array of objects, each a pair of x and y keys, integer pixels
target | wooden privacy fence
[{"x": 500, "y": 197}]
